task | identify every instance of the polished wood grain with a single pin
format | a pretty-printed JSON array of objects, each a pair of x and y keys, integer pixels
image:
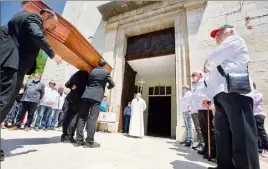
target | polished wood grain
[{"x": 68, "y": 42}]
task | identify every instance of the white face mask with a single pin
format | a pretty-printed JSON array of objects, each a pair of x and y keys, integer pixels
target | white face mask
[{"x": 195, "y": 79}]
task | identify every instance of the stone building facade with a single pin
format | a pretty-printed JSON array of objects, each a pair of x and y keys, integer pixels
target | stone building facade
[{"x": 192, "y": 20}]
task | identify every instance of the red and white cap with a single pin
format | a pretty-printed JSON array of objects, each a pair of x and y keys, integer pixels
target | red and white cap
[{"x": 214, "y": 32}]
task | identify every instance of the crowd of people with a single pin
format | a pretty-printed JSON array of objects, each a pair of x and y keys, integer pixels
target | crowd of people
[
  {"x": 230, "y": 136},
  {"x": 41, "y": 105},
  {"x": 224, "y": 107}
]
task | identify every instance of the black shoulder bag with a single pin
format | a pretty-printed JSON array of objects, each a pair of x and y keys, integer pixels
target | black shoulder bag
[{"x": 236, "y": 82}]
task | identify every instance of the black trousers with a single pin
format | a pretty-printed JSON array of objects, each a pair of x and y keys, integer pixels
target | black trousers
[
  {"x": 26, "y": 106},
  {"x": 203, "y": 122},
  {"x": 10, "y": 84},
  {"x": 236, "y": 133},
  {"x": 70, "y": 119},
  {"x": 89, "y": 112},
  {"x": 263, "y": 137}
]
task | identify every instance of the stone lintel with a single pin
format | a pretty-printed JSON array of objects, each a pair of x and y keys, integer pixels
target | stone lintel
[
  {"x": 191, "y": 4},
  {"x": 114, "y": 8}
]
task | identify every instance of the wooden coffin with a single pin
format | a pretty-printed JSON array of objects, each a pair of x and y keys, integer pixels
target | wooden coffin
[{"x": 67, "y": 41}]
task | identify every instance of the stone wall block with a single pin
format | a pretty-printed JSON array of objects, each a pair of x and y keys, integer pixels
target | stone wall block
[
  {"x": 259, "y": 29},
  {"x": 262, "y": 47},
  {"x": 236, "y": 17},
  {"x": 261, "y": 4}
]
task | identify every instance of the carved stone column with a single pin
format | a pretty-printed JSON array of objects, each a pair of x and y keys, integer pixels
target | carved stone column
[
  {"x": 118, "y": 72},
  {"x": 182, "y": 69},
  {"x": 110, "y": 43}
]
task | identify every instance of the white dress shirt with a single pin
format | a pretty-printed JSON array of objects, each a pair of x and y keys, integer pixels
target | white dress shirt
[
  {"x": 185, "y": 102},
  {"x": 60, "y": 101},
  {"x": 49, "y": 96},
  {"x": 199, "y": 95},
  {"x": 232, "y": 55}
]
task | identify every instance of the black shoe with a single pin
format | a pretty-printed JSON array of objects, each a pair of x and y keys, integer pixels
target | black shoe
[
  {"x": 199, "y": 146},
  {"x": 213, "y": 159},
  {"x": 189, "y": 144},
  {"x": 2, "y": 155},
  {"x": 78, "y": 144},
  {"x": 92, "y": 145},
  {"x": 205, "y": 156},
  {"x": 201, "y": 152},
  {"x": 183, "y": 142},
  {"x": 68, "y": 140},
  {"x": 213, "y": 168},
  {"x": 212, "y": 156}
]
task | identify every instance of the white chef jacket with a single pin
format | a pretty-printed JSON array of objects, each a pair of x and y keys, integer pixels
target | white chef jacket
[
  {"x": 185, "y": 102},
  {"x": 232, "y": 55}
]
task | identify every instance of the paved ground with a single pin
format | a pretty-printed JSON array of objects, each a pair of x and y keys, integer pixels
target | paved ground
[{"x": 43, "y": 150}]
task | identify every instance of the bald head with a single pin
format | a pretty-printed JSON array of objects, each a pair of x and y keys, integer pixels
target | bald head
[
  {"x": 138, "y": 95},
  {"x": 196, "y": 76}
]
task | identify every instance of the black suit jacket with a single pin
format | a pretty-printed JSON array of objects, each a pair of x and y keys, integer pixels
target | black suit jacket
[
  {"x": 80, "y": 79},
  {"x": 21, "y": 41},
  {"x": 97, "y": 81}
]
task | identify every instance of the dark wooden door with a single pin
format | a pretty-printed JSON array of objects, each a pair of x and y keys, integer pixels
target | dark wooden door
[
  {"x": 128, "y": 90},
  {"x": 159, "y": 116}
]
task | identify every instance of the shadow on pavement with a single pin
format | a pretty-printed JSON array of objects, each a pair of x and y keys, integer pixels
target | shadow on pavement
[
  {"x": 186, "y": 165},
  {"x": 189, "y": 155},
  {"x": 9, "y": 145}
]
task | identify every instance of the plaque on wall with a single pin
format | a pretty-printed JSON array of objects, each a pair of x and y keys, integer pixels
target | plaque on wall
[{"x": 151, "y": 44}]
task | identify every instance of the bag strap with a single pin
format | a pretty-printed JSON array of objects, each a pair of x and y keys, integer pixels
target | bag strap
[
  {"x": 221, "y": 71},
  {"x": 205, "y": 83}
]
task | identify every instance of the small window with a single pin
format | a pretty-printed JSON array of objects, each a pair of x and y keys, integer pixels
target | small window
[
  {"x": 162, "y": 90},
  {"x": 168, "y": 90},
  {"x": 151, "y": 90},
  {"x": 138, "y": 89},
  {"x": 156, "y": 92}
]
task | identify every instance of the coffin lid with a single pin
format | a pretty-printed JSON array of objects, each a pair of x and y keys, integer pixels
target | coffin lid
[{"x": 67, "y": 41}]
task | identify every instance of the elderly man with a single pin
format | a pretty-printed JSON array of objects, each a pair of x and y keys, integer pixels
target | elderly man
[
  {"x": 194, "y": 114},
  {"x": 186, "y": 112},
  {"x": 198, "y": 95},
  {"x": 235, "y": 127},
  {"x": 34, "y": 92},
  {"x": 46, "y": 106}
]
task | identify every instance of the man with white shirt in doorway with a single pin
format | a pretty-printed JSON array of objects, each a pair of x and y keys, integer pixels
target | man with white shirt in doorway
[
  {"x": 198, "y": 95},
  {"x": 235, "y": 126},
  {"x": 186, "y": 112}
]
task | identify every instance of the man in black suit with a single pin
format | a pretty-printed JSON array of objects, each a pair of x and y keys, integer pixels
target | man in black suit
[
  {"x": 77, "y": 83},
  {"x": 92, "y": 98},
  {"x": 20, "y": 42}
]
